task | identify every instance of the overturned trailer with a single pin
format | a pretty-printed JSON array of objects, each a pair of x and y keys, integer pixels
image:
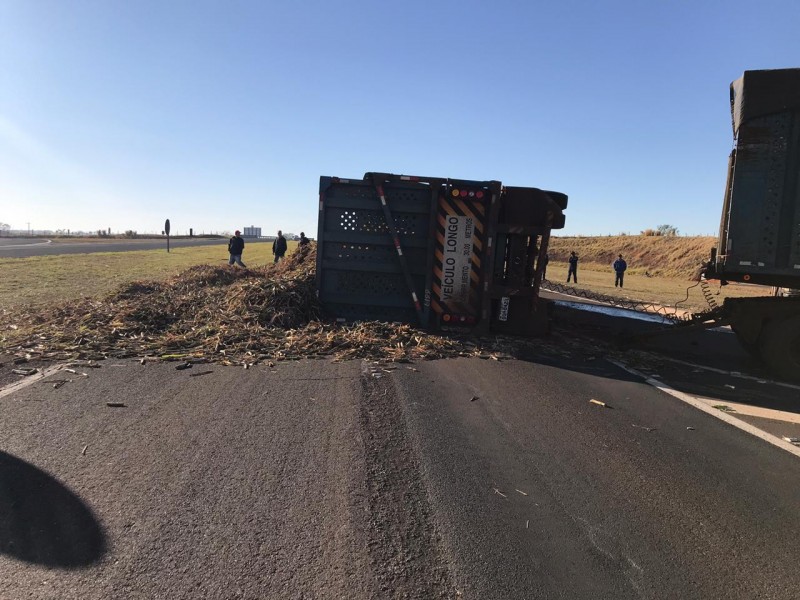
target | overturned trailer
[{"x": 434, "y": 252}]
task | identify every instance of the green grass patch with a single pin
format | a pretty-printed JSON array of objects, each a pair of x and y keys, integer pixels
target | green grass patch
[
  {"x": 44, "y": 280},
  {"x": 40, "y": 280}
]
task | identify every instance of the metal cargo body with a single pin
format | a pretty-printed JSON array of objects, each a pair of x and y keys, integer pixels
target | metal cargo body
[
  {"x": 759, "y": 240},
  {"x": 434, "y": 252}
]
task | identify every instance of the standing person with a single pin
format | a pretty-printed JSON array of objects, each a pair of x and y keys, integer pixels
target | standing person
[
  {"x": 235, "y": 249},
  {"x": 545, "y": 260},
  {"x": 573, "y": 267},
  {"x": 279, "y": 246},
  {"x": 304, "y": 241},
  {"x": 619, "y": 268}
]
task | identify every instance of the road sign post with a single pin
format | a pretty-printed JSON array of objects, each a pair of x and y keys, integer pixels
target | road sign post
[{"x": 166, "y": 230}]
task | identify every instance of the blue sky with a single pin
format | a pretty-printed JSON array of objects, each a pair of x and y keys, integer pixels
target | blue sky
[{"x": 224, "y": 114}]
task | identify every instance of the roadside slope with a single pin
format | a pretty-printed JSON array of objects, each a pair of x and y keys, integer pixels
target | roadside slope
[{"x": 658, "y": 255}]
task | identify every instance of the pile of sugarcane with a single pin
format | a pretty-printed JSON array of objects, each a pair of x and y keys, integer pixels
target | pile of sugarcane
[{"x": 221, "y": 314}]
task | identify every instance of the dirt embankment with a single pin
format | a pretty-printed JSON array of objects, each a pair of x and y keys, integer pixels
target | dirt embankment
[{"x": 657, "y": 255}]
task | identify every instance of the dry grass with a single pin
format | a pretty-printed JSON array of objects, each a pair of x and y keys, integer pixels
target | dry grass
[
  {"x": 674, "y": 257},
  {"x": 136, "y": 303},
  {"x": 663, "y": 291},
  {"x": 219, "y": 314}
]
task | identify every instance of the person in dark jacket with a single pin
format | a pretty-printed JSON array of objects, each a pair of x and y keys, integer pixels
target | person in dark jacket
[
  {"x": 279, "y": 246},
  {"x": 304, "y": 241},
  {"x": 235, "y": 249},
  {"x": 619, "y": 268},
  {"x": 545, "y": 260},
  {"x": 573, "y": 267}
]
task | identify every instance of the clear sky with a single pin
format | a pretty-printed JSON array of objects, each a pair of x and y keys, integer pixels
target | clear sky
[{"x": 224, "y": 114}]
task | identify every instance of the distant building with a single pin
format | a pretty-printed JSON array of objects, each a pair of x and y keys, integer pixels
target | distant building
[{"x": 251, "y": 231}]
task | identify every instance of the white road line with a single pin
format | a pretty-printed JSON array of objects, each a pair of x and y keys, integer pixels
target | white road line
[
  {"x": 755, "y": 411},
  {"x": 721, "y": 371},
  {"x": 17, "y": 386},
  {"x": 44, "y": 243},
  {"x": 722, "y": 416}
]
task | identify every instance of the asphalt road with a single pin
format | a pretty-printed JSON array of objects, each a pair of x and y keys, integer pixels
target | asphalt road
[
  {"x": 454, "y": 479},
  {"x": 21, "y": 248}
]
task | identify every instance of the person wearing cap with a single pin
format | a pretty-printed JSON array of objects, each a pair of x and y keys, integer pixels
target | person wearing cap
[
  {"x": 279, "y": 246},
  {"x": 235, "y": 249},
  {"x": 304, "y": 241}
]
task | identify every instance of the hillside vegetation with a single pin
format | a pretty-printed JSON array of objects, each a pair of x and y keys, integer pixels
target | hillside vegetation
[{"x": 674, "y": 256}]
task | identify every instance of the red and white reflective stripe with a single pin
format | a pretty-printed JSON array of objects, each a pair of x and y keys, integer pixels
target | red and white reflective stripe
[
  {"x": 408, "y": 178},
  {"x": 397, "y": 245},
  {"x": 414, "y": 296},
  {"x": 381, "y": 195}
]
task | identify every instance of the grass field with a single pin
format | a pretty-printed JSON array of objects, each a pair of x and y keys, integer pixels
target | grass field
[
  {"x": 665, "y": 291},
  {"x": 45, "y": 280},
  {"x": 48, "y": 279}
]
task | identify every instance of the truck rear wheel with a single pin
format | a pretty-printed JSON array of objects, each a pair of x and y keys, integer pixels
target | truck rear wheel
[{"x": 780, "y": 347}]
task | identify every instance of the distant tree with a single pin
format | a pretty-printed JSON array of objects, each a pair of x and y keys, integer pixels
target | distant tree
[
  {"x": 661, "y": 230},
  {"x": 667, "y": 230},
  {"x": 130, "y": 234},
  {"x": 4, "y": 228}
]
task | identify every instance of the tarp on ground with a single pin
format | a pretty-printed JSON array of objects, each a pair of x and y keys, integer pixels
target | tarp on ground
[{"x": 760, "y": 93}]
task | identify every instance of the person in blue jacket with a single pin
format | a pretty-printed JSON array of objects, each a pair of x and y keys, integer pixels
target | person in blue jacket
[{"x": 619, "y": 268}]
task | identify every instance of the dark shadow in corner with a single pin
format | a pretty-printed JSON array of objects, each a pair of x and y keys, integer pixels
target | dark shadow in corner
[{"x": 43, "y": 522}]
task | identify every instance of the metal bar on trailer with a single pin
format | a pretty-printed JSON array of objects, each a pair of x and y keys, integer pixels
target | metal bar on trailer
[
  {"x": 537, "y": 274},
  {"x": 436, "y": 190},
  {"x": 436, "y": 185},
  {"x": 324, "y": 184},
  {"x": 538, "y": 230},
  {"x": 487, "y": 277},
  {"x": 377, "y": 181}
]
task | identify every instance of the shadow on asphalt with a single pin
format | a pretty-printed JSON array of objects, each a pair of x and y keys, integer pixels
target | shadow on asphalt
[
  {"x": 684, "y": 360},
  {"x": 596, "y": 367},
  {"x": 43, "y": 522}
]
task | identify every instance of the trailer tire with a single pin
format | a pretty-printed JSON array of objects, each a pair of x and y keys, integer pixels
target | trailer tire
[{"x": 780, "y": 347}]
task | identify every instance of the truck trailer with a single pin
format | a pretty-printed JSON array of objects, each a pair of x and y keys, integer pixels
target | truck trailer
[
  {"x": 759, "y": 233},
  {"x": 434, "y": 252}
]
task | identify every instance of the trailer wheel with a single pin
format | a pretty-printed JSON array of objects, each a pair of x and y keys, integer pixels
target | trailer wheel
[{"x": 780, "y": 347}]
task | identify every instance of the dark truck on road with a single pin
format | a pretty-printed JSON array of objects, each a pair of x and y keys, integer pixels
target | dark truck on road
[{"x": 759, "y": 235}]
